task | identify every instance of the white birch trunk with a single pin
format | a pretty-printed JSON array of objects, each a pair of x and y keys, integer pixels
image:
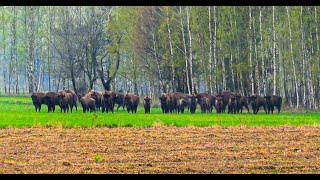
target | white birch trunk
[
  {"x": 318, "y": 60},
  {"x": 256, "y": 67},
  {"x": 231, "y": 57},
  {"x": 293, "y": 62},
  {"x": 274, "y": 54},
  {"x": 171, "y": 53},
  {"x": 223, "y": 70},
  {"x": 303, "y": 59},
  {"x": 210, "y": 52},
  {"x": 250, "y": 53},
  {"x": 214, "y": 48},
  {"x": 190, "y": 49},
  {"x": 262, "y": 60},
  {"x": 185, "y": 50}
]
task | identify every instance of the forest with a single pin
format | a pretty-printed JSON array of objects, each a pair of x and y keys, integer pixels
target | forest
[{"x": 153, "y": 49}]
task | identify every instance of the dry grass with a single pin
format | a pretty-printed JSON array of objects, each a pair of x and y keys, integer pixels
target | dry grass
[{"x": 160, "y": 149}]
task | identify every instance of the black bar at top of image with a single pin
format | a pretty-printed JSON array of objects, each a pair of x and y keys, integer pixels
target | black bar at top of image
[{"x": 158, "y": 2}]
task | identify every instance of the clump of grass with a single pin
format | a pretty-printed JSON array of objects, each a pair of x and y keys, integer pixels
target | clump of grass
[{"x": 97, "y": 158}]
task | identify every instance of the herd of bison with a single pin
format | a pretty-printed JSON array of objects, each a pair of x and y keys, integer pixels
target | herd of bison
[{"x": 170, "y": 102}]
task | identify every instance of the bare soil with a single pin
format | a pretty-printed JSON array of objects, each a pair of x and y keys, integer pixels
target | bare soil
[{"x": 160, "y": 149}]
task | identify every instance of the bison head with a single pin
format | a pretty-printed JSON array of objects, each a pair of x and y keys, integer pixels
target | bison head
[
  {"x": 147, "y": 100},
  {"x": 163, "y": 98}
]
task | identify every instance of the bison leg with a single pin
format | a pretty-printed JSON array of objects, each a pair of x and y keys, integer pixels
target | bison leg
[{"x": 265, "y": 108}]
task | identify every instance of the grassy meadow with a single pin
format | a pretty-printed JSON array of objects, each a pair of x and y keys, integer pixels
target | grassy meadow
[{"x": 20, "y": 112}]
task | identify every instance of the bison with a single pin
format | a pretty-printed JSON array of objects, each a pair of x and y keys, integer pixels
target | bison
[
  {"x": 225, "y": 99},
  {"x": 232, "y": 106},
  {"x": 219, "y": 104},
  {"x": 108, "y": 101},
  {"x": 182, "y": 103},
  {"x": 147, "y": 104},
  {"x": 88, "y": 103},
  {"x": 212, "y": 98},
  {"x": 165, "y": 102},
  {"x": 51, "y": 100},
  {"x": 120, "y": 100},
  {"x": 65, "y": 101},
  {"x": 273, "y": 101},
  {"x": 74, "y": 98},
  {"x": 37, "y": 100},
  {"x": 256, "y": 102},
  {"x": 131, "y": 101},
  {"x": 193, "y": 103},
  {"x": 96, "y": 95},
  {"x": 241, "y": 101}
]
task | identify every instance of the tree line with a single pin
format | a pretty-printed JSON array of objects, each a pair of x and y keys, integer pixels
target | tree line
[{"x": 153, "y": 49}]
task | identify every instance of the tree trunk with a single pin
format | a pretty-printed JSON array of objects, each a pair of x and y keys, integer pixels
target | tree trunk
[
  {"x": 185, "y": 50},
  {"x": 262, "y": 54},
  {"x": 250, "y": 53},
  {"x": 214, "y": 50},
  {"x": 293, "y": 62},
  {"x": 318, "y": 60},
  {"x": 256, "y": 64},
  {"x": 190, "y": 49},
  {"x": 210, "y": 52},
  {"x": 171, "y": 53},
  {"x": 303, "y": 59},
  {"x": 274, "y": 54}
]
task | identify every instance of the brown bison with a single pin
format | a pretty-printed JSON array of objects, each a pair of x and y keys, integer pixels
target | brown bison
[
  {"x": 225, "y": 99},
  {"x": 96, "y": 95},
  {"x": 37, "y": 100},
  {"x": 273, "y": 101},
  {"x": 74, "y": 98},
  {"x": 193, "y": 103},
  {"x": 212, "y": 98},
  {"x": 165, "y": 102},
  {"x": 182, "y": 104},
  {"x": 65, "y": 101},
  {"x": 232, "y": 105},
  {"x": 88, "y": 104},
  {"x": 131, "y": 101},
  {"x": 147, "y": 105},
  {"x": 120, "y": 100},
  {"x": 219, "y": 104},
  {"x": 205, "y": 105},
  {"x": 241, "y": 101},
  {"x": 256, "y": 102},
  {"x": 109, "y": 99},
  {"x": 51, "y": 100},
  {"x": 179, "y": 95}
]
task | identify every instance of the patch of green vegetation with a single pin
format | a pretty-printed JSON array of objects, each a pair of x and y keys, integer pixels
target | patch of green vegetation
[
  {"x": 97, "y": 158},
  {"x": 21, "y": 113}
]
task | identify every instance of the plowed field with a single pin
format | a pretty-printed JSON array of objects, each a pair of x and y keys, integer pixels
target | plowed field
[{"x": 161, "y": 149}]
